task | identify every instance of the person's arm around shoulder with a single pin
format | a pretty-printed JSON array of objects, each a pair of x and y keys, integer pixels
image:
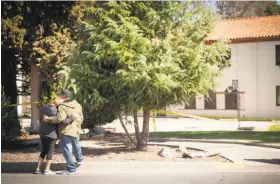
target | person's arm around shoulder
[
  {"x": 69, "y": 120},
  {"x": 60, "y": 116}
]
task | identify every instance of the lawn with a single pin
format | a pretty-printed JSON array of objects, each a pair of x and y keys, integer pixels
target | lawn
[
  {"x": 243, "y": 119},
  {"x": 275, "y": 128},
  {"x": 251, "y": 136}
]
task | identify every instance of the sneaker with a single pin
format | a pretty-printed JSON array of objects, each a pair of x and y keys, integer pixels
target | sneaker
[
  {"x": 48, "y": 172},
  {"x": 37, "y": 171},
  {"x": 79, "y": 163},
  {"x": 66, "y": 172}
]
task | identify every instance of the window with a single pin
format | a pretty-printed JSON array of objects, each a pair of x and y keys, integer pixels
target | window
[
  {"x": 210, "y": 103},
  {"x": 231, "y": 100},
  {"x": 191, "y": 105},
  {"x": 277, "y": 50},
  {"x": 278, "y": 95}
]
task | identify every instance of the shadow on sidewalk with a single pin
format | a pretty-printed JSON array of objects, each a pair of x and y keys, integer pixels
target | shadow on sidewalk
[
  {"x": 267, "y": 161},
  {"x": 26, "y": 167}
]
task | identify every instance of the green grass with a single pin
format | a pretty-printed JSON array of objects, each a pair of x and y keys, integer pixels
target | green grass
[
  {"x": 242, "y": 119},
  {"x": 251, "y": 136},
  {"x": 275, "y": 128}
]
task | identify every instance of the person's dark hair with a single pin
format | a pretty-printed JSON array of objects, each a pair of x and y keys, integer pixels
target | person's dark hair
[{"x": 66, "y": 92}]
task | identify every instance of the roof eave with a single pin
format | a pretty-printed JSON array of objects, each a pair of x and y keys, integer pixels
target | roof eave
[{"x": 247, "y": 40}]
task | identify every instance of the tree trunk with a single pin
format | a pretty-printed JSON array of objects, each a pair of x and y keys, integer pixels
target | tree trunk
[
  {"x": 136, "y": 127},
  {"x": 126, "y": 131},
  {"x": 145, "y": 132},
  {"x": 35, "y": 97}
]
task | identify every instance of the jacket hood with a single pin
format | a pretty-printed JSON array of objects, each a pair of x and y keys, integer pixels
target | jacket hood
[{"x": 69, "y": 103}]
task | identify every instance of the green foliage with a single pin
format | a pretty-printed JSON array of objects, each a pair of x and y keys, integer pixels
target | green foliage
[
  {"x": 146, "y": 55},
  {"x": 239, "y": 9},
  {"x": 9, "y": 120},
  {"x": 12, "y": 33},
  {"x": 12, "y": 39},
  {"x": 273, "y": 9},
  {"x": 24, "y": 24},
  {"x": 51, "y": 54}
]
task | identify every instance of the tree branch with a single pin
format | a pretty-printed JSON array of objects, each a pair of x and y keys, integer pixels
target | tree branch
[
  {"x": 136, "y": 126},
  {"x": 126, "y": 131}
]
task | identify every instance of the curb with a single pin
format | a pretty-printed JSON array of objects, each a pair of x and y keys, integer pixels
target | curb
[
  {"x": 214, "y": 141},
  {"x": 145, "y": 167},
  {"x": 26, "y": 167}
]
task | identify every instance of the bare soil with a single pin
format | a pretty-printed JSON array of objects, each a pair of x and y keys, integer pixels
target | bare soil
[
  {"x": 28, "y": 137},
  {"x": 109, "y": 148}
]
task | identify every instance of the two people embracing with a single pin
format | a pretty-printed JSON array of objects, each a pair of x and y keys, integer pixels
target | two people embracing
[{"x": 61, "y": 120}]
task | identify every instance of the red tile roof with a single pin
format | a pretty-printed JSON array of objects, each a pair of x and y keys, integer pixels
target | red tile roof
[{"x": 256, "y": 28}]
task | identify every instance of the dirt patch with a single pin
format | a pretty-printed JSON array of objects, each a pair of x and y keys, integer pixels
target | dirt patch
[
  {"x": 28, "y": 137},
  {"x": 104, "y": 152},
  {"x": 109, "y": 148}
]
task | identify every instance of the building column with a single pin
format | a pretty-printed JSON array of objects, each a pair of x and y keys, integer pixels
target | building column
[
  {"x": 200, "y": 102},
  {"x": 221, "y": 103}
]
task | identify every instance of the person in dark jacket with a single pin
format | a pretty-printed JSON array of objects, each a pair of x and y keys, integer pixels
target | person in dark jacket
[
  {"x": 69, "y": 134},
  {"x": 48, "y": 135}
]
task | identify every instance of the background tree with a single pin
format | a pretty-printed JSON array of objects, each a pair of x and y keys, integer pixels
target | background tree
[
  {"x": 9, "y": 121},
  {"x": 274, "y": 9},
  {"x": 12, "y": 39},
  {"x": 23, "y": 24},
  {"x": 237, "y": 9},
  {"x": 143, "y": 55},
  {"x": 50, "y": 55}
]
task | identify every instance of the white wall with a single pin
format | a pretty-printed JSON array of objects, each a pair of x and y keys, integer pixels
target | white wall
[
  {"x": 268, "y": 78},
  {"x": 254, "y": 66}
]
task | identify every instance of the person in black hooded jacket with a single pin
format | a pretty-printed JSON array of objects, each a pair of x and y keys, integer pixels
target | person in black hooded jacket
[{"x": 48, "y": 136}]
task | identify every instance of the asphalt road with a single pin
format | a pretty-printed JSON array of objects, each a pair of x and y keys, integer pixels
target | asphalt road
[{"x": 140, "y": 178}]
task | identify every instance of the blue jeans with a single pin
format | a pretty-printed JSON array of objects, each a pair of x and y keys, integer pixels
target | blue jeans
[{"x": 67, "y": 143}]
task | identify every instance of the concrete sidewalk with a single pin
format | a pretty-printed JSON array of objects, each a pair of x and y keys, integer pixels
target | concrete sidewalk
[{"x": 249, "y": 155}]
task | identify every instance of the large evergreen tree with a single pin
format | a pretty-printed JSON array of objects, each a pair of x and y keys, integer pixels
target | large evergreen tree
[
  {"x": 24, "y": 23},
  {"x": 143, "y": 55},
  {"x": 33, "y": 34}
]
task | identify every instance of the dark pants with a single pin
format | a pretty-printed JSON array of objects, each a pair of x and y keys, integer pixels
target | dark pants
[{"x": 47, "y": 147}]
